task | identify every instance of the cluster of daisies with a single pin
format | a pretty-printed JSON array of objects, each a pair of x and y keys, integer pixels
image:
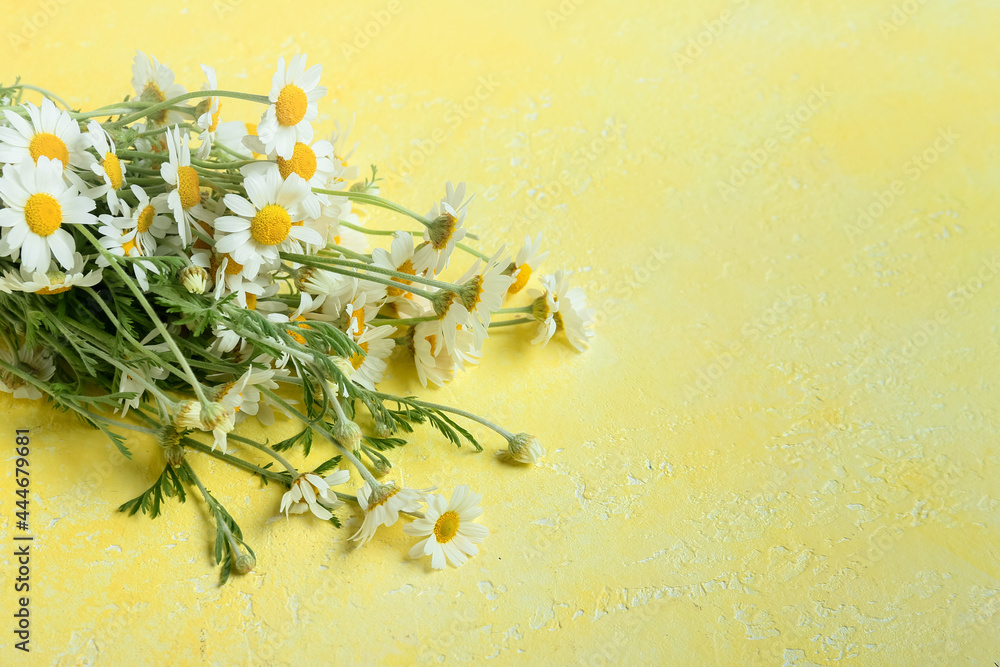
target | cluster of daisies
[{"x": 160, "y": 191}]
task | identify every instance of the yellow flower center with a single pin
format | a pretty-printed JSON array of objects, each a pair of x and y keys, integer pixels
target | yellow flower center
[
  {"x": 152, "y": 93},
  {"x": 291, "y": 106},
  {"x": 271, "y": 225},
  {"x": 43, "y": 213},
  {"x": 302, "y": 162},
  {"x": 57, "y": 285},
  {"x": 199, "y": 242},
  {"x": 358, "y": 317},
  {"x": 405, "y": 267},
  {"x": 145, "y": 219},
  {"x": 113, "y": 168},
  {"x": 251, "y": 301},
  {"x": 520, "y": 280},
  {"x": 446, "y": 527},
  {"x": 48, "y": 145},
  {"x": 558, "y": 318},
  {"x": 297, "y": 336},
  {"x": 233, "y": 267},
  {"x": 131, "y": 245},
  {"x": 358, "y": 359},
  {"x": 187, "y": 186},
  {"x": 215, "y": 117}
]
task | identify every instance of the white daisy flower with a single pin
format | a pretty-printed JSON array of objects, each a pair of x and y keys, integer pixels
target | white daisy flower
[
  {"x": 311, "y": 493},
  {"x": 404, "y": 257},
  {"x": 39, "y": 202},
  {"x": 382, "y": 506},
  {"x": 266, "y": 224},
  {"x": 52, "y": 282},
  {"x": 108, "y": 168},
  {"x": 313, "y": 163},
  {"x": 484, "y": 291},
  {"x": 435, "y": 362},
  {"x": 154, "y": 83},
  {"x": 446, "y": 228},
  {"x": 377, "y": 346},
  {"x": 152, "y": 220},
  {"x": 527, "y": 261},
  {"x": 121, "y": 237},
  {"x": 48, "y": 133},
  {"x": 129, "y": 383},
  {"x": 208, "y": 113},
  {"x": 184, "y": 199},
  {"x": 448, "y": 526},
  {"x": 562, "y": 308},
  {"x": 217, "y": 419},
  {"x": 294, "y": 93},
  {"x": 37, "y": 362}
]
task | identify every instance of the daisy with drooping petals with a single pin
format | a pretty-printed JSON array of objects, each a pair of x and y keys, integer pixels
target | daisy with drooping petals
[
  {"x": 39, "y": 202},
  {"x": 377, "y": 346},
  {"x": 527, "y": 261},
  {"x": 433, "y": 362},
  {"x": 52, "y": 282},
  {"x": 154, "y": 82},
  {"x": 208, "y": 113},
  {"x": 448, "y": 526},
  {"x": 35, "y": 362},
  {"x": 136, "y": 382},
  {"x": 108, "y": 167},
  {"x": 184, "y": 199},
  {"x": 562, "y": 308},
  {"x": 48, "y": 132},
  {"x": 266, "y": 224},
  {"x": 294, "y": 93},
  {"x": 382, "y": 506},
  {"x": 311, "y": 493},
  {"x": 446, "y": 228},
  {"x": 483, "y": 292}
]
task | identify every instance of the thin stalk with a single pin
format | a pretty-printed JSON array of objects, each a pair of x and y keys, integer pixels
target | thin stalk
[
  {"x": 374, "y": 200},
  {"x": 233, "y": 460},
  {"x": 188, "y": 96},
  {"x": 446, "y": 408},
  {"x": 267, "y": 450}
]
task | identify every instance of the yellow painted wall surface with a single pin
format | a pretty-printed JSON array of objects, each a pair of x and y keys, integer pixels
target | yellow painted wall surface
[{"x": 781, "y": 448}]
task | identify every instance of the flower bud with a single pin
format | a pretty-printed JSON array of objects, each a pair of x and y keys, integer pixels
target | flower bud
[
  {"x": 441, "y": 229},
  {"x": 195, "y": 279},
  {"x": 348, "y": 434},
  {"x": 522, "y": 448},
  {"x": 244, "y": 564},
  {"x": 383, "y": 430},
  {"x": 174, "y": 454},
  {"x": 187, "y": 415},
  {"x": 381, "y": 468}
]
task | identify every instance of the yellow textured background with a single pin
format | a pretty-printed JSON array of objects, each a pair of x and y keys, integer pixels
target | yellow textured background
[{"x": 781, "y": 448}]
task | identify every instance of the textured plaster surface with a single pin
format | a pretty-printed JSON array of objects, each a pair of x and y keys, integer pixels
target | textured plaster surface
[{"x": 782, "y": 446}]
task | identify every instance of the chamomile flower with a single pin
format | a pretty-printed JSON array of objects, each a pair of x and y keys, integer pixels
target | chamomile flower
[
  {"x": 562, "y": 308},
  {"x": 208, "y": 113},
  {"x": 435, "y": 362},
  {"x": 521, "y": 448},
  {"x": 48, "y": 133},
  {"x": 377, "y": 345},
  {"x": 266, "y": 224},
  {"x": 448, "y": 528},
  {"x": 136, "y": 381},
  {"x": 52, "y": 282},
  {"x": 314, "y": 163},
  {"x": 35, "y": 362},
  {"x": 403, "y": 257},
  {"x": 294, "y": 93},
  {"x": 483, "y": 292},
  {"x": 382, "y": 506},
  {"x": 184, "y": 199},
  {"x": 446, "y": 228},
  {"x": 39, "y": 202},
  {"x": 108, "y": 168},
  {"x": 153, "y": 219},
  {"x": 120, "y": 237},
  {"x": 311, "y": 493},
  {"x": 215, "y": 418},
  {"x": 154, "y": 82},
  {"x": 527, "y": 261}
]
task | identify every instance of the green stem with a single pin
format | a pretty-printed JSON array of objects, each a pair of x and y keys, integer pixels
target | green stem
[
  {"x": 319, "y": 262},
  {"x": 188, "y": 96},
  {"x": 236, "y": 461},
  {"x": 267, "y": 450},
  {"x": 374, "y": 200},
  {"x": 445, "y": 408},
  {"x": 134, "y": 288}
]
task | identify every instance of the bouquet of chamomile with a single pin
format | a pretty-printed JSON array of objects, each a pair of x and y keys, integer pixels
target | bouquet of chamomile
[{"x": 169, "y": 273}]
